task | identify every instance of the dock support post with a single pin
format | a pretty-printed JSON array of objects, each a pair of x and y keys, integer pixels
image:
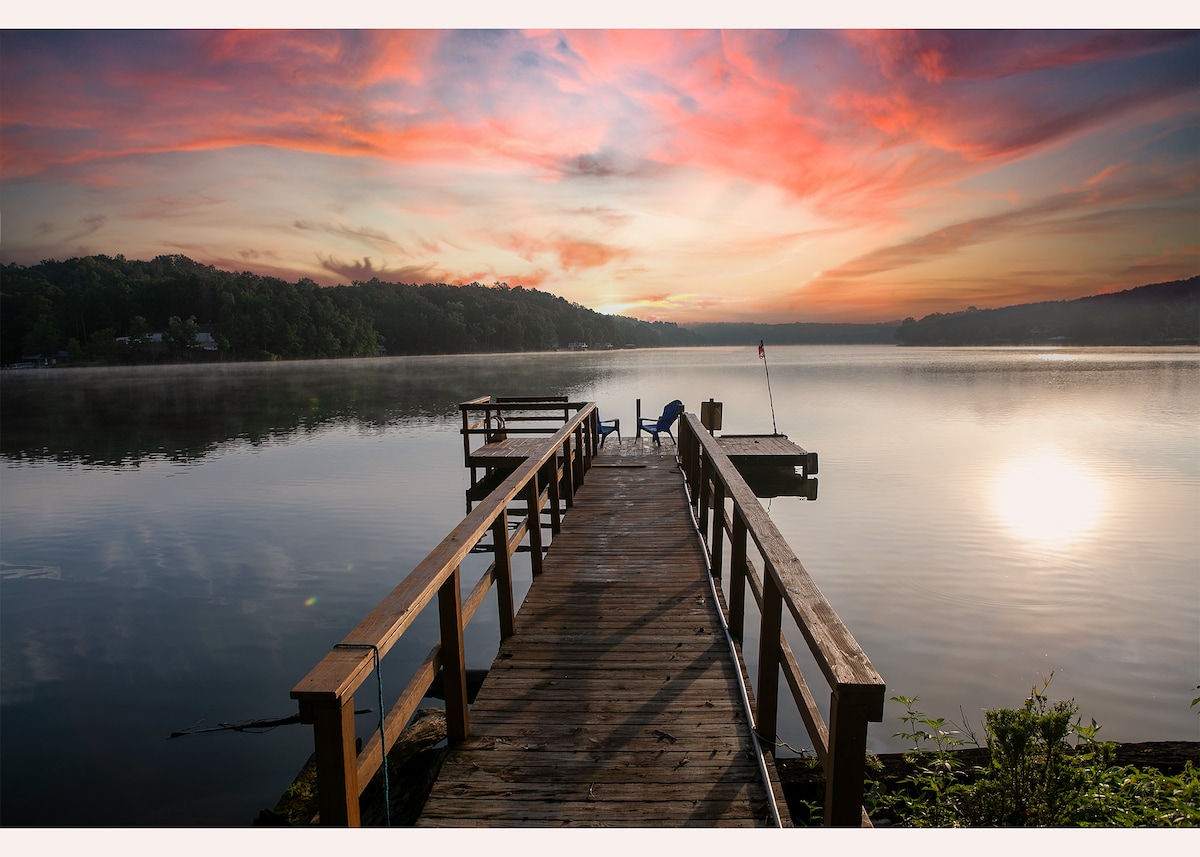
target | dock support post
[{"x": 337, "y": 760}]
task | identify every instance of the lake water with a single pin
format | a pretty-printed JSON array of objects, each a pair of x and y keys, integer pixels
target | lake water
[{"x": 179, "y": 545}]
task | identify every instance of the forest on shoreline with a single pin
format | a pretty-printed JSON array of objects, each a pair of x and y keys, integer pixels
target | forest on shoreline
[{"x": 104, "y": 310}]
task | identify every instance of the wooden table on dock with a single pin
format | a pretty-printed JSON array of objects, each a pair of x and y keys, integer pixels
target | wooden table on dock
[{"x": 616, "y": 702}]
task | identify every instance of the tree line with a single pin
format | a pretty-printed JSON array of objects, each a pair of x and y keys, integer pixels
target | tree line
[
  {"x": 111, "y": 309},
  {"x": 1158, "y": 314}
]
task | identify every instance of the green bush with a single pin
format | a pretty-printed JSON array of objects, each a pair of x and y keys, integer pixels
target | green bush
[{"x": 1045, "y": 769}]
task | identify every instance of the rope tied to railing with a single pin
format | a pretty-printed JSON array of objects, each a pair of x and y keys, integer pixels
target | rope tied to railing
[{"x": 387, "y": 797}]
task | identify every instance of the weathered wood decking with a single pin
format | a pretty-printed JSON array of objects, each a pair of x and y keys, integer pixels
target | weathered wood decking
[{"x": 616, "y": 702}]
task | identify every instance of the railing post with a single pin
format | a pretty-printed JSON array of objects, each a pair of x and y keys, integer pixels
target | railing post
[
  {"x": 503, "y": 563},
  {"x": 717, "y": 542},
  {"x": 568, "y": 474},
  {"x": 737, "y": 576},
  {"x": 769, "y": 655},
  {"x": 454, "y": 665},
  {"x": 337, "y": 760},
  {"x": 685, "y": 455},
  {"x": 593, "y": 434},
  {"x": 466, "y": 433},
  {"x": 553, "y": 490},
  {"x": 533, "y": 500},
  {"x": 693, "y": 465},
  {"x": 846, "y": 768},
  {"x": 580, "y": 456}
]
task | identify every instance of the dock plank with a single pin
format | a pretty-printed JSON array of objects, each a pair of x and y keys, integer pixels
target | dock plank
[{"x": 616, "y": 702}]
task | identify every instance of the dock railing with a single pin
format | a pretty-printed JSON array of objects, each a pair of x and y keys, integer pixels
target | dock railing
[
  {"x": 489, "y": 418},
  {"x": 725, "y": 506},
  {"x": 326, "y": 694}
]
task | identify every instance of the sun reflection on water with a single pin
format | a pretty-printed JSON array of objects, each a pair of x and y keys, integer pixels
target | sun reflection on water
[{"x": 1049, "y": 498}]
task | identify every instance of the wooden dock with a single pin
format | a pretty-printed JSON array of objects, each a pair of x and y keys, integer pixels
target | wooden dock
[
  {"x": 767, "y": 450},
  {"x": 614, "y": 698},
  {"x": 617, "y": 700}
]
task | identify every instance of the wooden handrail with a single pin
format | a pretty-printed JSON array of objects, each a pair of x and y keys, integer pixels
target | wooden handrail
[
  {"x": 856, "y": 689},
  {"x": 326, "y": 694}
]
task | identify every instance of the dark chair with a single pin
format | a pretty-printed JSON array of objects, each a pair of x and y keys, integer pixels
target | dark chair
[
  {"x": 607, "y": 427},
  {"x": 670, "y": 413}
]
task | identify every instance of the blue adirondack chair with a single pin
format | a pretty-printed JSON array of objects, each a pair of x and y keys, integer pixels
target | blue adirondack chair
[
  {"x": 670, "y": 413},
  {"x": 607, "y": 427}
]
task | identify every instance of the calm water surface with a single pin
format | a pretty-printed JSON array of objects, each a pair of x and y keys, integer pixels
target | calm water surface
[{"x": 179, "y": 545}]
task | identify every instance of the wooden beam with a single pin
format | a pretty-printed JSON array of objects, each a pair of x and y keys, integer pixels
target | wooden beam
[
  {"x": 337, "y": 760},
  {"x": 454, "y": 665},
  {"x": 504, "y": 583}
]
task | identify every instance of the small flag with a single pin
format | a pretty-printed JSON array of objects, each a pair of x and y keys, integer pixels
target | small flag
[{"x": 762, "y": 353}]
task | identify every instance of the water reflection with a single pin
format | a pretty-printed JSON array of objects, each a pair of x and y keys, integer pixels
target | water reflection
[
  {"x": 181, "y": 544},
  {"x": 124, "y": 417},
  {"x": 1049, "y": 498}
]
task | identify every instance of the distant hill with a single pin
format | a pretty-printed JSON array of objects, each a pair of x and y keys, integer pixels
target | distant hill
[
  {"x": 796, "y": 333},
  {"x": 1157, "y": 314}
]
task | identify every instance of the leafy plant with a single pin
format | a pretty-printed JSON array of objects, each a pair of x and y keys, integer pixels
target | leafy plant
[
  {"x": 1045, "y": 768},
  {"x": 1035, "y": 778},
  {"x": 925, "y": 796}
]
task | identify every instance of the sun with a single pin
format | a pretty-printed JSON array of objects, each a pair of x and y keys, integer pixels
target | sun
[{"x": 1048, "y": 498}]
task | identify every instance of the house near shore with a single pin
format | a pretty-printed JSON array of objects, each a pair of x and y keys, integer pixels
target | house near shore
[{"x": 204, "y": 340}]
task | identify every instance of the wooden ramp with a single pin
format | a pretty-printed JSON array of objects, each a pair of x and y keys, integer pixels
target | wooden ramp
[{"x": 616, "y": 702}]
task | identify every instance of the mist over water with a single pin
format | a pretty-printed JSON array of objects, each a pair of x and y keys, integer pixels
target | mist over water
[{"x": 179, "y": 545}]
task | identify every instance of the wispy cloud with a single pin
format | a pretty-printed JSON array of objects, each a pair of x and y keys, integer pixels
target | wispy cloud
[
  {"x": 86, "y": 226},
  {"x": 361, "y": 234}
]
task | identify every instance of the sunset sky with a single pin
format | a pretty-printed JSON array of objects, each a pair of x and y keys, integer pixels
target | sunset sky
[{"x": 754, "y": 175}]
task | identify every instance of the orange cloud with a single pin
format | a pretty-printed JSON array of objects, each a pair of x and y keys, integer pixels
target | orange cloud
[{"x": 573, "y": 254}]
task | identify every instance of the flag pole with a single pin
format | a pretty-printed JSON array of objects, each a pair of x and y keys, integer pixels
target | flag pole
[{"x": 762, "y": 353}]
